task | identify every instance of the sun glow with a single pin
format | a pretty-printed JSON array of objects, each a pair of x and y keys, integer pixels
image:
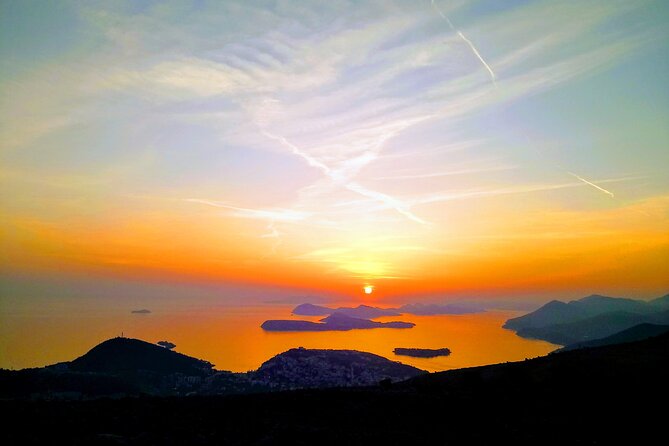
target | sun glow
[{"x": 368, "y": 289}]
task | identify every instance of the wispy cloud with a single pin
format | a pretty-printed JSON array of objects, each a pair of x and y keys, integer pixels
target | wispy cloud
[
  {"x": 287, "y": 215},
  {"x": 447, "y": 173}
]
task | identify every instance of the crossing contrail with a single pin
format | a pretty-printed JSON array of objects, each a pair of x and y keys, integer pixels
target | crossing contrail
[
  {"x": 342, "y": 178},
  {"x": 476, "y": 52}
]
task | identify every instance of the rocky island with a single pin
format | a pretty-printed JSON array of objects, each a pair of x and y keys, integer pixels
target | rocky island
[
  {"x": 335, "y": 322},
  {"x": 422, "y": 352}
]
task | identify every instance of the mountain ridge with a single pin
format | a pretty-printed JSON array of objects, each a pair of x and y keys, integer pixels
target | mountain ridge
[{"x": 591, "y": 317}]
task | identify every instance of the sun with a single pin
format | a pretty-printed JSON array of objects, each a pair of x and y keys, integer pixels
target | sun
[{"x": 368, "y": 289}]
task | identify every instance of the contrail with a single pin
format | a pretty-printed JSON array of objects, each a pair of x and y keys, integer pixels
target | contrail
[
  {"x": 476, "y": 52},
  {"x": 493, "y": 77},
  {"x": 296, "y": 151},
  {"x": 592, "y": 184}
]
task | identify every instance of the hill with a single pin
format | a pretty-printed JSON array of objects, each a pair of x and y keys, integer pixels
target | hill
[
  {"x": 300, "y": 368},
  {"x": 603, "y": 395},
  {"x": 121, "y": 355},
  {"x": 636, "y": 333}
]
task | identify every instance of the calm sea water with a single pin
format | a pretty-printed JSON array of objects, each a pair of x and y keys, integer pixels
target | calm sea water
[{"x": 231, "y": 337}]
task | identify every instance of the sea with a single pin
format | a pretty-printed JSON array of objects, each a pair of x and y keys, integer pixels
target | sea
[{"x": 230, "y": 337}]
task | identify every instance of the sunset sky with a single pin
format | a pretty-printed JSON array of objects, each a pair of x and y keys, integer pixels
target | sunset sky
[{"x": 447, "y": 148}]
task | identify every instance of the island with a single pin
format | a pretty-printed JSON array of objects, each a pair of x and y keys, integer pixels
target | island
[
  {"x": 142, "y": 311},
  {"x": 422, "y": 352},
  {"x": 335, "y": 322},
  {"x": 369, "y": 312}
]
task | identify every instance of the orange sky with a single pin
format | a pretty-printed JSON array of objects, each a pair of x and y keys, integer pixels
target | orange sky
[{"x": 421, "y": 149}]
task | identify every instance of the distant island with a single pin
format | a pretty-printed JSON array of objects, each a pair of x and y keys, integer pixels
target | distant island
[
  {"x": 422, "y": 352},
  {"x": 369, "y": 312},
  {"x": 335, "y": 322},
  {"x": 351, "y": 318},
  {"x": 361, "y": 311},
  {"x": 142, "y": 311}
]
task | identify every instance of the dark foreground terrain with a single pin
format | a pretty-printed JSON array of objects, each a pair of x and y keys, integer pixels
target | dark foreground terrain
[{"x": 602, "y": 395}]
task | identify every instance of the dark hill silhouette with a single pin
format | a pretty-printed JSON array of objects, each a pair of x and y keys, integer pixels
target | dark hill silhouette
[
  {"x": 301, "y": 367},
  {"x": 602, "y": 395},
  {"x": 51, "y": 383},
  {"x": 120, "y": 355},
  {"x": 636, "y": 333}
]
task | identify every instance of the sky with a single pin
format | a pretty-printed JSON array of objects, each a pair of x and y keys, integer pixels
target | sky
[{"x": 427, "y": 148}]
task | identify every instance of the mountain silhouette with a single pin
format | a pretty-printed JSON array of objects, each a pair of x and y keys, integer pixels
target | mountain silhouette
[
  {"x": 586, "y": 319},
  {"x": 557, "y": 312}
]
